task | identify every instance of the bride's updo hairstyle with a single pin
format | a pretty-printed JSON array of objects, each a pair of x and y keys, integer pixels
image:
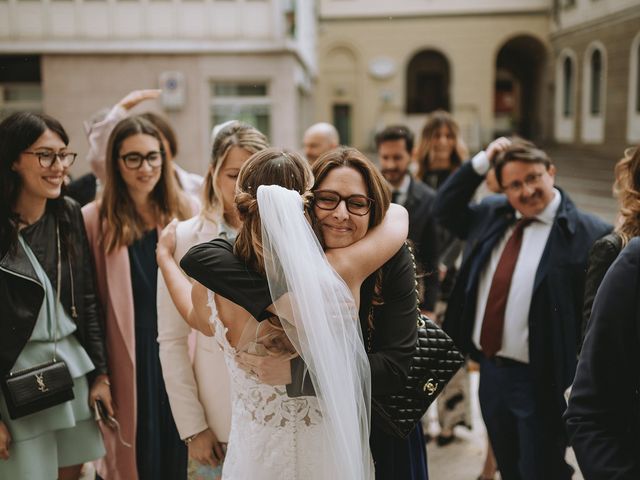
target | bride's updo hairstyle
[{"x": 267, "y": 167}]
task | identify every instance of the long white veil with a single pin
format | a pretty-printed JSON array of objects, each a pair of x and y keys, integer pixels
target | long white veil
[{"x": 320, "y": 318}]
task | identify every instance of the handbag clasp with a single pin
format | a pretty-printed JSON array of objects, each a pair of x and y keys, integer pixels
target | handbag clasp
[{"x": 430, "y": 387}]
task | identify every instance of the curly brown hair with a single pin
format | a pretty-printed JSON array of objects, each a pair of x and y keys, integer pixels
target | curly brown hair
[{"x": 627, "y": 188}]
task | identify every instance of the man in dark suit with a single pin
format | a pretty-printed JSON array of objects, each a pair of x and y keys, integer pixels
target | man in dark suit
[
  {"x": 395, "y": 144},
  {"x": 516, "y": 306},
  {"x": 603, "y": 416}
]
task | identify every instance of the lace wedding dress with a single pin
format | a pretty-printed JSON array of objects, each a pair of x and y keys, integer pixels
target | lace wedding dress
[
  {"x": 273, "y": 436},
  {"x": 326, "y": 436}
]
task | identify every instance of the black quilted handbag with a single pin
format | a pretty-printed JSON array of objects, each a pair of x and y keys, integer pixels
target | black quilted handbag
[{"x": 435, "y": 362}]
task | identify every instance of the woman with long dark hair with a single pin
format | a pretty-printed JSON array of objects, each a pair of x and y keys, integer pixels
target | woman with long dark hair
[
  {"x": 139, "y": 198},
  {"x": 48, "y": 309}
]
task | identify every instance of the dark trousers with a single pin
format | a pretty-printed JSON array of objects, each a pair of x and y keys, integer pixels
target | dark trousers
[
  {"x": 399, "y": 458},
  {"x": 524, "y": 447}
]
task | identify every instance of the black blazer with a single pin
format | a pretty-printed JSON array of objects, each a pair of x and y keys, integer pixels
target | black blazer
[
  {"x": 394, "y": 338},
  {"x": 555, "y": 314},
  {"x": 423, "y": 234},
  {"x": 21, "y": 294},
  {"x": 603, "y": 416}
]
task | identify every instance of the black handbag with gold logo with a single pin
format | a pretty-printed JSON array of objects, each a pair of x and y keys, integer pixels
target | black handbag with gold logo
[
  {"x": 37, "y": 388},
  {"x": 435, "y": 361},
  {"x": 47, "y": 384}
]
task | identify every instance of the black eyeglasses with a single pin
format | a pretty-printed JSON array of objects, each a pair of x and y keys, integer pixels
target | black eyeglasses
[
  {"x": 46, "y": 158},
  {"x": 133, "y": 160},
  {"x": 329, "y": 200}
]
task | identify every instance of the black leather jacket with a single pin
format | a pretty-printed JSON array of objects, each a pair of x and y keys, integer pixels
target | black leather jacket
[{"x": 21, "y": 294}]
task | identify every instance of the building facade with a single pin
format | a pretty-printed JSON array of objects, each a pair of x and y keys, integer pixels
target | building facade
[
  {"x": 215, "y": 60},
  {"x": 386, "y": 62},
  {"x": 596, "y": 66}
]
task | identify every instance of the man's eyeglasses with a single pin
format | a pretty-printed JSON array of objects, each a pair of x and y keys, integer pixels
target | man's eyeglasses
[
  {"x": 530, "y": 180},
  {"x": 133, "y": 160},
  {"x": 329, "y": 200},
  {"x": 46, "y": 158}
]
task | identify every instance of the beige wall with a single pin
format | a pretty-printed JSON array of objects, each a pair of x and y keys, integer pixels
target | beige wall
[
  {"x": 616, "y": 34},
  {"x": 470, "y": 43},
  {"x": 75, "y": 86}
]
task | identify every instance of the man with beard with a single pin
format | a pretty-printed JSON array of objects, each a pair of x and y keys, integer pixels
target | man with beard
[
  {"x": 516, "y": 306},
  {"x": 394, "y": 145}
]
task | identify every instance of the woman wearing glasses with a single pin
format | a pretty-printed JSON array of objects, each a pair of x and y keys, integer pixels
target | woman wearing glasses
[
  {"x": 350, "y": 201},
  {"x": 199, "y": 393},
  {"x": 48, "y": 308},
  {"x": 139, "y": 197}
]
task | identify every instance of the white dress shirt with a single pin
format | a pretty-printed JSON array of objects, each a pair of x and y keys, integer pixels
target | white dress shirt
[
  {"x": 403, "y": 190},
  {"x": 515, "y": 336}
]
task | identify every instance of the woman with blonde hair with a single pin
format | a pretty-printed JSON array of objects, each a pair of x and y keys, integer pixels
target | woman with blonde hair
[
  {"x": 602, "y": 411},
  {"x": 140, "y": 196},
  {"x": 199, "y": 391},
  {"x": 604, "y": 251}
]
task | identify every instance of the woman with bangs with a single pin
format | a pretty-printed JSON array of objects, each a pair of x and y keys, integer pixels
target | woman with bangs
[
  {"x": 139, "y": 198},
  {"x": 349, "y": 214},
  {"x": 199, "y": 392}
]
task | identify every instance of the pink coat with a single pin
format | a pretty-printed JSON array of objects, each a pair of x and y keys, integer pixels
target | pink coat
[{"x": 116, "y": 298}]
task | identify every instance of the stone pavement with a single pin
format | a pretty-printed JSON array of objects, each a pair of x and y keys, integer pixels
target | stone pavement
[{"x": 588, "y": 178}]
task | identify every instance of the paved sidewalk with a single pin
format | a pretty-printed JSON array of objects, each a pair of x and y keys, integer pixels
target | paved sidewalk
[{"x": 463, "y": 459}]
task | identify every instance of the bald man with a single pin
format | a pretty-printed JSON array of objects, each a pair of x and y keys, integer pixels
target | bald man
[{"x": 319, "y": 138}]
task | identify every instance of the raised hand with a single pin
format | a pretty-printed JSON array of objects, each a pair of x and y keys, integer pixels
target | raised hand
[
  {"x": 498, "y": 145},
  {"x": 167, "y": 241},
  {"x": 132, "y": 99}
]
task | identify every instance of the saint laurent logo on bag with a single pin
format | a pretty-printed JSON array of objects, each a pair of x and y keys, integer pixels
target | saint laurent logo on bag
[{"x": 40, "y": 381}]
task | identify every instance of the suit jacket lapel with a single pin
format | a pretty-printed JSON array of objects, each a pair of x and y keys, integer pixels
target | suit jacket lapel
[{"x": 411, "y": 200}]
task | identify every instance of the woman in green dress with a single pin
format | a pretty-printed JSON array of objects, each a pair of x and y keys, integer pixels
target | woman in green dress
[{"x": 48, "y": 306}]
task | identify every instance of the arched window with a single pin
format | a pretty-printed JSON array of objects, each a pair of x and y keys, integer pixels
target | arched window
[
  {"x": 594, "y": 88},
  {"x": 633, "y": 96},
  {"x": 565, "y": 97},
  {"x": 428, "y": 80},
  {"x": 595, "y": 95},
  {"x": 567, "y": 87}
]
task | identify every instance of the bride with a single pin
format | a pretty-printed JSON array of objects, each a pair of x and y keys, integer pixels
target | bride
[{"x": 273, "y": 436}]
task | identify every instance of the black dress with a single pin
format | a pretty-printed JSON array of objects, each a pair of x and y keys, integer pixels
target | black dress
[
  {"x": 160, "y": 452},
  {"x": 214, "y": 265}
]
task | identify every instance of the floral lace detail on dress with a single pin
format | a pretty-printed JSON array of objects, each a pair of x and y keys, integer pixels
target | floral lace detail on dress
[{"x": 272, "y": 435}]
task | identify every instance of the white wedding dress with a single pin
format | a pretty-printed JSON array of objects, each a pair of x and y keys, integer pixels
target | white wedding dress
[
  {"x": 273, "y": 436},
  {"x": 321, "y": 437}
]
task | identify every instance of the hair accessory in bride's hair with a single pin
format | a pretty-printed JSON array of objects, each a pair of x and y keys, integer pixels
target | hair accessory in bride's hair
[{"x": 307, "y": 199}]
